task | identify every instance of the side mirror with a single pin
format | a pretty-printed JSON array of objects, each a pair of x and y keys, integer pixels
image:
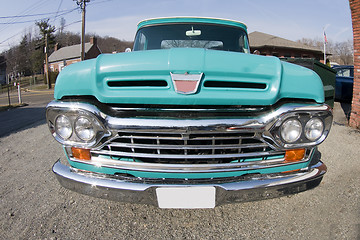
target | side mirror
[{"x": 128, "y": 50}]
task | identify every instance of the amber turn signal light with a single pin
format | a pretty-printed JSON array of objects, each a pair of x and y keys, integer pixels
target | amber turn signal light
[
  {"x": 294, "y": 155},
  {"x": 81, "y": 153}
]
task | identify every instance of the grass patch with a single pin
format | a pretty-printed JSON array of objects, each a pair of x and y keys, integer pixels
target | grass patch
[
  {"x": 8, "y": 107},
  {"x": 40, "y": 87}
]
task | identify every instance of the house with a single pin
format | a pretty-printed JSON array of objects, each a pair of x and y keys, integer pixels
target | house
[
  {"x": 2, "y": 70},
  {"x": 71, "y": 54},
  {"x": 270, "y": 45}
]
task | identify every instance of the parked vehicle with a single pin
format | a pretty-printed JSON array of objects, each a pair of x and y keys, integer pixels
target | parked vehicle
[
  {"x": 344, "y": 82},
  {"x": 326, "y": 73},
  {"x": 189, "y": 119}
]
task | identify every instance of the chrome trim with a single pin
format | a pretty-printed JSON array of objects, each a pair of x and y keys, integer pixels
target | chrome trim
[
  {"x": 186, "y": 147},
  {"x": 186, "y": 78},
  {"x": 173, "y": 109},
  {"x": 324, "y": 115},
  {"x": 194, "y": 168},
  {"x": 261, "y": 124},
  {"x": 73, "y": 112},
  {"x": 185, "y": 168},
  {"x": 249, "y": 189},
  {"x": 208, "y": 146},
  {"x": 174, "y": 156}
]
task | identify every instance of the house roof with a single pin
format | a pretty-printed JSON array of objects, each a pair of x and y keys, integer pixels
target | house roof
[
  {"x": 259, "y": 39},
  {"x": 69, "y": 52}
]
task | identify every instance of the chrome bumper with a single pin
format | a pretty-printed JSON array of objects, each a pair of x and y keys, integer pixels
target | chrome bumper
[{"x": 254, "y": 188}]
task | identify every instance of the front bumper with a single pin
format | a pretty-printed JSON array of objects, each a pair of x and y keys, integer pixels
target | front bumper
[{"x": 253, "y": 188}]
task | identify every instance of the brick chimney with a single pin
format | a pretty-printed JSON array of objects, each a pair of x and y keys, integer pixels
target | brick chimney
[
  {"x": 355, "y": 107},
  {"x": 93, "y": 40},
  {"x": 56, "y": 46}
]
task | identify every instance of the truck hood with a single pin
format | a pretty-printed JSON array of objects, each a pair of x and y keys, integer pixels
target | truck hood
[{"x": 227, "y": 78}]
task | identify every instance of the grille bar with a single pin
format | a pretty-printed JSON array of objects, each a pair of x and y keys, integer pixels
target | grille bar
[
  {"x": 195, "y": 157},
  {"x": 180, "y": 138},
  {"x": 189, "y": 147},
  {"x": 206, "y": 147}
]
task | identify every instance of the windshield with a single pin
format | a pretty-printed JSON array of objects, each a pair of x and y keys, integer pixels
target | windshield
[
  {"x": 345, "y": 72},
  {"x": 217, "y": 37}
]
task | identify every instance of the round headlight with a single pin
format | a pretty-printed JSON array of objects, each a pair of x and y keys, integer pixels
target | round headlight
[
  {"x": 63, "y": 127},
  {"x": 314, "y": 129},
  {"x": 291, "y": 130},
  {"x": 84, "y": 129}
]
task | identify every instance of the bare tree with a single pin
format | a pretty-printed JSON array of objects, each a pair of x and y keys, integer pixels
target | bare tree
[
  {"x": 344, "y": 52},
  {"x": 341, "y": 52},
  {"x": 62, "y": 25}
]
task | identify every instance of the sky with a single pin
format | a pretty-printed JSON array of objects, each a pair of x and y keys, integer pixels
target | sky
[{"x": 290, "y": 19}]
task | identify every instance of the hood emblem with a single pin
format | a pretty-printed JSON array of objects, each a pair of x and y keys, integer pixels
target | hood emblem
[{"x": 186, "y": 83}]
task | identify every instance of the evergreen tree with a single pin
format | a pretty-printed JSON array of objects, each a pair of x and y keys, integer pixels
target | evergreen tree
[
  {"x": 38, "y": 56},
  {"x": 25, "y": 67}
]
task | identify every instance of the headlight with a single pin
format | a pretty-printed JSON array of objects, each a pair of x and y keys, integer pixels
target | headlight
[
  {"x": 314, "y": 129},
  {"x": 291, "y": 130},
  {"x": 301, "y": 127},
  {"x": 63, "y": 127},
  {"x": 76, "y": 124},
  {"x": 84, "y": 129}
]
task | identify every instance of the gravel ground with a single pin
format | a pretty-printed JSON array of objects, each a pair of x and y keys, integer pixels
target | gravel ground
[{"x": 34, "y": 206}]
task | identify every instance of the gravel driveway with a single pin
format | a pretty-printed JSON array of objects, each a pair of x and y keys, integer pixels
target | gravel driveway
[{"x": 34, "y": 206}]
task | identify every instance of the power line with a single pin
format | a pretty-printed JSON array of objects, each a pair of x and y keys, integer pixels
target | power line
[
  {"x": 96, "y": 2},
  {"x": 58, "y": 15},
  {"x": 72, "y": 23},
  {"x": 57, "y": 12},
  {"x": 11, "y": 37},
  {"x": 1, "y": 43},
  {"x": 37, "y": 5},
  {"x": 35, "y": 15},
  {"x": 63, "y": 12},
  {"x": 26, "y": 11}
]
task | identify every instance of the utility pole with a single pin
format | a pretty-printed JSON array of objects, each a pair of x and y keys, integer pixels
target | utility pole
[
  {"x": 47, "y": 62},
  {"x": 324, "y": 52},
  {"x": 82, "y": 4}
]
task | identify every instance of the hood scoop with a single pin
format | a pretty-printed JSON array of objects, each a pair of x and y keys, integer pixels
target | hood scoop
[
  {"x": 227, "y": 84},
  {"x": 138, "y": 83}
]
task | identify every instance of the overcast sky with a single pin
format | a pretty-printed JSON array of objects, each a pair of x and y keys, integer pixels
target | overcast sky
[{"x": 290, "y": 19}]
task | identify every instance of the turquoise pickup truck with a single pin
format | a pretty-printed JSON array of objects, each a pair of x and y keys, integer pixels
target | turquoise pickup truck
[{"x": 189, "y": 119}]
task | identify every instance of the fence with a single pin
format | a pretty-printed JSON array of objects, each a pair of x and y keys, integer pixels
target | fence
[{"x": 25, "y": 82}]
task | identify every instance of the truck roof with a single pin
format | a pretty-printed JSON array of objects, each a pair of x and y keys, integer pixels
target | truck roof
[{"x": 171, "y": 20}]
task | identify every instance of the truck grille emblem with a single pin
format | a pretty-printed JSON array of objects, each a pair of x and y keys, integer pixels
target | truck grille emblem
[{"x": 186, "y": 83}]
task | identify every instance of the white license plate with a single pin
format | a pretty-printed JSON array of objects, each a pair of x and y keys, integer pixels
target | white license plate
[{"x": 186, "y": 197}]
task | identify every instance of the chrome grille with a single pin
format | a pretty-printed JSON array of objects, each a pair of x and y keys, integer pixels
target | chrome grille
[{"x": 182, "y": 147}]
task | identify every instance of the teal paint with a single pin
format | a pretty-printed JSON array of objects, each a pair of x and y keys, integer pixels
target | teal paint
[
  {"x": 144, "y": 174},
  {"x": 173, "y": 20},
  {"x": 283, "y": 80}
]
